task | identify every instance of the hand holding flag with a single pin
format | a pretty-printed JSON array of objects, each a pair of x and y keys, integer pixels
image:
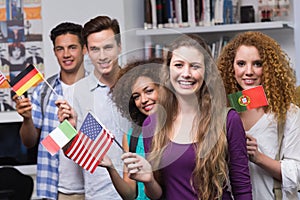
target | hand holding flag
[
  {"x": 248, "y": 99},
  {"x": 90, "y": 145}
]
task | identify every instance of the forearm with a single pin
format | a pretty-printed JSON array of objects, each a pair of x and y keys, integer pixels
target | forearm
[
  {"x": 125, "y": 190},
  {"x": 153, "y": 189},
  {"x": 270, "y": 165},
  {"x": 29, "y": 133}
]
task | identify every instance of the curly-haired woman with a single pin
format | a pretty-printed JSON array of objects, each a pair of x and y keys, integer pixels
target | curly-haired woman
[
  {"x": 135, "y": 94},
  {"x": 248, "y": 60},
  {"x": 191, "y": 154}
]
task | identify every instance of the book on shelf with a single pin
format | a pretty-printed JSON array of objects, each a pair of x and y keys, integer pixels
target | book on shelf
[
  {"x": 218, "y": 10},
  {"x": 178, "y": 13},
  {"x": 154, "y": 15},
  {"x": 168, "y": 13},
  {"x": 191, "y": 13},
  {"x": 184, "y": 13},
  {"x": 227, "y": 12},
  {"x": 153, "y": 50},
  {"x": 217, "y": 46},
  {"x": 147, "y": 14},
  {"x": 198, "y": 11},
  {"x": 160, "y": 13}
]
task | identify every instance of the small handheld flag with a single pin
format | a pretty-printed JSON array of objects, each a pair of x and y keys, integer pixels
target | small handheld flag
[
  {"x": 2, "y": 78},
  {"x": 90, "y": 145},
  {"x": 248, "y": 99},
  {"x": 59, "y": 137},
  {"x": 26, "y": 79}
]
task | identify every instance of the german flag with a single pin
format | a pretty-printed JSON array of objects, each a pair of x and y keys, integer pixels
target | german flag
[{"x": 25, "y": 80}]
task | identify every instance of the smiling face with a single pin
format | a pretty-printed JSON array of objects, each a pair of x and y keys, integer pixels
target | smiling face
[
  {"x": 187, "y": 68},
  {"x": 145, "y": 94},
  {"x": 69, "y": 52},
  {"x": 248, "y": 67},
  {"x": 103, "y": 51}
]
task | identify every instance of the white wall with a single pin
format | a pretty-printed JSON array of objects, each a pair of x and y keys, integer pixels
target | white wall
[{"x": 79, "y": 11}]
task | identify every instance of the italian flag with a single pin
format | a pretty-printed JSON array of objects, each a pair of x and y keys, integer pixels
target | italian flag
[
  {"x": 59, "y": 137},
  {"x": 248, "y": 99},
  {"x": 26, "y": 79}
]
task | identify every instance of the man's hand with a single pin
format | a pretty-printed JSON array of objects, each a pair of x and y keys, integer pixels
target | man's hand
[
  {"x": 65, "y": 111},
  {"x": 23, "y": 106}
]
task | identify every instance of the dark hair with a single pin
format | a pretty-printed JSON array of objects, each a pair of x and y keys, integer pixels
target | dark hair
[
  {"x": 99, "y": 24},
  {"x": 122, "y": 94},
  {"x": 13, "y": 46},
  {"x": 67, "y": 27}
]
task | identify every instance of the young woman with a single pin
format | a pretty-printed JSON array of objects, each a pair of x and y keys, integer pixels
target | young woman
[
  {"x": 248, "y": 60},
  {"x": 191, "y": 154},
  {"x": 135, "y": 94}
]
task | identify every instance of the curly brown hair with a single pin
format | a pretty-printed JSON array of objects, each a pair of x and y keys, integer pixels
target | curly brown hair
[
  {"x": 121, "y": 91},
  {"x": 278, "y": 77}
]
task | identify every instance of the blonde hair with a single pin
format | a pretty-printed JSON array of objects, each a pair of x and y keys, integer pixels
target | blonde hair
[
  {"x": 210, "y": 173},
  {"x": 278, "y": 77}
]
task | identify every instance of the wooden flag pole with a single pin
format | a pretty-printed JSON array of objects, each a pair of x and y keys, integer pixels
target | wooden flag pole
[{"x": 47, "y": 82}]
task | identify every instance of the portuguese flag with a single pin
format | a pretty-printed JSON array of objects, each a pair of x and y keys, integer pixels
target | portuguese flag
[
  {"x": 247, "y": 99},
  {"x": 25, "y": 80}
]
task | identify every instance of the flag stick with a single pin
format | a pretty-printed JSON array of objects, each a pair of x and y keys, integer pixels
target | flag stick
[
  {"x": 108, "y": 132},
  {"x": 49, "y": 85},
  {"x": 119, "y": 145},
  {"x": 47, "y": 82}
]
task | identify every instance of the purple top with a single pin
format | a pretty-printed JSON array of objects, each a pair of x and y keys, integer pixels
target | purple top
[{"x": 178, "y": 163}]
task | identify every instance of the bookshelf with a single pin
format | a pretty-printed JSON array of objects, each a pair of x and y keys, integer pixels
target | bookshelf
[
  {"x": 216, "y": 36},
  {"x": 284, "y": 30},
  {"x": 217, "y": 28}
]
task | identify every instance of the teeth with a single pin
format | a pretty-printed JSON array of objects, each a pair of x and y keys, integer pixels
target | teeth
[
  {"x": 149, "y": 107},
  {"x": 68, "y": 62},
  {"x": 185, "y": 83},
  {"x": 249, "y": 81}
]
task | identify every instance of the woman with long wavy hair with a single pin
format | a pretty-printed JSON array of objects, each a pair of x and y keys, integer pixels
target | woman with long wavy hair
[{"x": 198, "y": 149}]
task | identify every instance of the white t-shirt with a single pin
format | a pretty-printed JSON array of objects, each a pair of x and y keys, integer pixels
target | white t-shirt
[
  {"x": 91, "y": 95},
  {"x": 70, "y": 173}
]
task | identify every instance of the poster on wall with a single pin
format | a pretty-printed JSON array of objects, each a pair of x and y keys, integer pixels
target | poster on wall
[{"x": 20, "y": 43}]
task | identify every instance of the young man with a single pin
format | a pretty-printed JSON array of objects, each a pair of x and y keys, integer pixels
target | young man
[
  {"x": 103, "y": 42},
  {"x": 57, "y": 176}
]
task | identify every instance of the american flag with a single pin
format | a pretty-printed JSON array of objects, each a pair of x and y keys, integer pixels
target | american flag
[
  {"x": 90, "y": 144},
  {"x": 2, "y": 77}
]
